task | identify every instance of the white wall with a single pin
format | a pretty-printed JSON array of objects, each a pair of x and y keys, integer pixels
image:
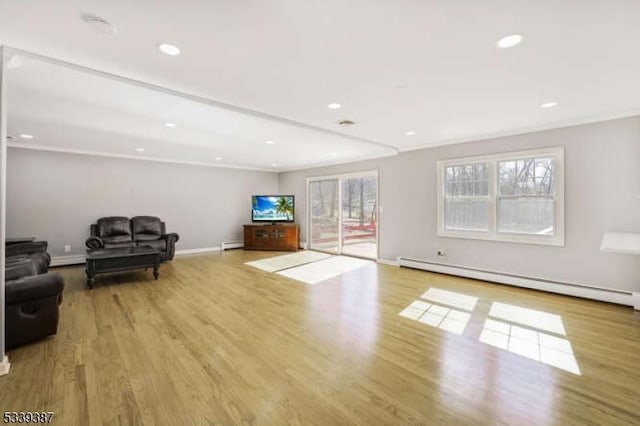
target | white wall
[
  {"x": 56, "y": 196},
  {"x": 602, "y": 193}
]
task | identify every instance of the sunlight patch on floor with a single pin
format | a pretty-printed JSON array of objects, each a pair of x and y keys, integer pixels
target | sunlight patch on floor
[
  {"x": 536, "y": 345},
  {"x": 315, "y": 272},
  {"x": 444, "y": 297},
  {"x": 278, "y": 263},
  {"x": 439, "y": 316},
  {"x": 519, "y": 331},
  {"x": 530, "y": 317}
]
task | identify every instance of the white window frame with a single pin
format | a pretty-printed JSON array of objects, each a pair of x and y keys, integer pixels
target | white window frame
[
  {"x": 340, "y": 177},
  {"x": 556, "y": 239}
]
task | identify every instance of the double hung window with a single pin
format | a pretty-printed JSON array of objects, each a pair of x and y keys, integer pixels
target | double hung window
[{"x": 517, "y": 197}]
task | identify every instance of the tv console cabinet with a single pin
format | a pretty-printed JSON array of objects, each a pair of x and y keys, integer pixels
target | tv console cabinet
[{"x": 285, "y": 237}]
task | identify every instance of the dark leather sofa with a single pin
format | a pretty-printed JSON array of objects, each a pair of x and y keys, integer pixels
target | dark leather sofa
[
  {"x": 35, "y": 251},
  {"x": 32, "y": 295},
  {"x": 122, "y": 232}
]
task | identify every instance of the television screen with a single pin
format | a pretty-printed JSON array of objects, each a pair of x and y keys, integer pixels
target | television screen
[{"x": 272, "y": 208}]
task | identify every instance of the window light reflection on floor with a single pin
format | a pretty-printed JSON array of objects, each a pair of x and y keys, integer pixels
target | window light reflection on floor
[
  {"x": 521, "y": 334},
  {"x": 450, "y": 298},
  {"x": 441, "y": 317},
  {"x": 536, "y": 345},
  {"x": 529, "y": 317}
]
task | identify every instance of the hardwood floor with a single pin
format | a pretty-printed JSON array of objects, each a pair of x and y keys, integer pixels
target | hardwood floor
[{"x": 214, "y": 341}]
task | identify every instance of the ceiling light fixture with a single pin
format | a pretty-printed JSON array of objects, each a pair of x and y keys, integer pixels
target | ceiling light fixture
[
  {"x": 218, "y": 158},
  {"x": 99, "y": 24},
  {"x": 549, "y": 104},
  {"x": 334, "y": 105},
  {"x": 170, "y": 124},
  {"x": 26, "y": 136},
  {"x": 274, "y": 165},
  {"x": 269, "y": 142},
  {"x": 333, "y": 154},
  {"x": 510, "y": 40},
  {"x": 140, "y": 149},
  {"x": 410, "y": 133},
  {"x": 169, "y": 49}
]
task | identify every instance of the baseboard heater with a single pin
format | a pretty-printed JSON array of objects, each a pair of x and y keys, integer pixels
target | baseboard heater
[
  {"x": 569, "y": 289},
  {"x": 68, "y": 260},
  {"x": 231, "y": 245}
]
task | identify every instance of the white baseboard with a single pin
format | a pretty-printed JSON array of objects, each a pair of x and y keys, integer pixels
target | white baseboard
[
  {"x": 81, "y": 258},
  {"x": 389, "y": 262},
  {"x": 68, "y": 260},
  {"x": 569, "y": 289},
  {"x": 5, "y": 365},
  {"x": 231, "y": 245},
  {"x": 197, "y": 251}
]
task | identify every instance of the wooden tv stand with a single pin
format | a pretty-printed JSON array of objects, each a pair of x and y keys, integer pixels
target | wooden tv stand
[{"x": 285, "y": 237}]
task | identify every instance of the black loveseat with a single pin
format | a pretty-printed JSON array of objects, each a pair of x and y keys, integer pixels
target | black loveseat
[
  {"x": 35, "y": 251},
  {"x": 32, "y": 295},
  {"x": 121, "y": 232}
]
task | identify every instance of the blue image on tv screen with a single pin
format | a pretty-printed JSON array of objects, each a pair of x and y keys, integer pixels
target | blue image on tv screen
[{"x": 272, "y": 208}]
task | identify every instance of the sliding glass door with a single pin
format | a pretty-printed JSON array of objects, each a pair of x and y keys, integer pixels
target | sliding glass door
[
  {"x": 324, "y": 222},
  {"x": 359, "y": 216},
  {"x": 343, "y": 214}
]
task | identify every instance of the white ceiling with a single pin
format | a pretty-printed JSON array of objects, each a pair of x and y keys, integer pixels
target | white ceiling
[
  {"x": 425, "y": 65},
  {"x": 74, "y": 110}
]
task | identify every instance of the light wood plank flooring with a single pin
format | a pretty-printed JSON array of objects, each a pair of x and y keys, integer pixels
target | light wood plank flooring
[{"x": 214, "y": 341}]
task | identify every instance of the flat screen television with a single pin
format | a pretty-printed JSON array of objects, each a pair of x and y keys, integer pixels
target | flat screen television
[{"x": 272, "y": 208}]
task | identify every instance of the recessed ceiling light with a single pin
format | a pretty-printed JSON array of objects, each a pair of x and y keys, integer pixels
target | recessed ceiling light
[
  {"x": 269, "y": 142},
  {"x": 510, "y": 41},
  {"x": 99, "y": 24},
  {"x": 169, "y": 49},
  {"x": 549, "y": 104},
  {"x": 170, "y": 124},
  {"x": 410, "y": 133},
  {"x": 333, "y": 154},
  {"x": 334, "y": 105},
  {"x": 26, "y": 136},
  {"x": 274, "y": 165},
  {"x": 218, "y": 158},
  {"x": 140, "y": 149}
]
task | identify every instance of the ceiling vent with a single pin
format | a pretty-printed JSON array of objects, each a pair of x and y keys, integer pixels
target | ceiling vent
[
  {"x": 346, "y": 123},
  {"x": 99, "y": 25}
]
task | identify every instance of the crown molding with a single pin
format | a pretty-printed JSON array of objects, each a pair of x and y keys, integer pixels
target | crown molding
[
  {"x": 36, "y": 147},
  {"x": 531, "y": 129}
]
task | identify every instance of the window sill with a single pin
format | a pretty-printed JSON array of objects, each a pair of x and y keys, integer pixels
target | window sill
[{"x": 542, "y": 240}]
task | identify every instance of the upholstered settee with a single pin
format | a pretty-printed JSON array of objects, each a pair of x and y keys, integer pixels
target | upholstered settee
[
  {"x": 122, "y": 232},
  {"x": 32, "y": 296},
  {"x": 35, "y": 251}
]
